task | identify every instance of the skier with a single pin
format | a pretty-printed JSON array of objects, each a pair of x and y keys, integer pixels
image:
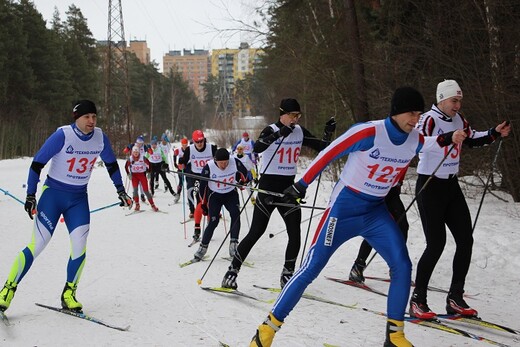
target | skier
[
  {"x": 246, "y": 161},
  {"x": 248, "y": 145},
  {"x": 377, "y": 152},
  {"x": 136, "y": 168},
  {"x": 158, "y": 165},
  {"x": 73, "y": 151},
  {"x": 143, "y": 148},
  {"x": 441, "y": 203},
  {"x": 217, "y": 194},
  {"x": 178, "y": 153},
  {"x": 195, "y": 157},
  {"x": 280, "y": 144}
]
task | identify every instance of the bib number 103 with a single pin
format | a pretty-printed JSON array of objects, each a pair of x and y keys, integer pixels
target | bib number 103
[{"x": 81, "y": 165}]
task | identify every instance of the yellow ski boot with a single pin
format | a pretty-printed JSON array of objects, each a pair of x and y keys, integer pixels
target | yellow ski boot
[
  {"x": 395, "y": 334},
  {"x": 6, "y": 295},
  {"x": 265, "y": 333},
  {"x": 68, "y": 298}
]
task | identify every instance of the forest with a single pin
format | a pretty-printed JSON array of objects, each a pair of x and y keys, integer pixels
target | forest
[{"x": 340, "y": 58}]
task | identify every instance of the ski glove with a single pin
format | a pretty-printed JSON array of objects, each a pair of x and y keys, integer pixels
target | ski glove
[
  {"x": 30, "y": 205},
  {"x": 330, "y": 127},
  {"x": 286, "y": 131},
  {"x": 126, "y": 201},
  {"x": 294, "y": 193},
  {"x": 204, "y": 208}
]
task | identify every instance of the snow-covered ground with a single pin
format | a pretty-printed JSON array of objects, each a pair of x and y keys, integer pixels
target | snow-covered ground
[{"x": 132, "y": 276}]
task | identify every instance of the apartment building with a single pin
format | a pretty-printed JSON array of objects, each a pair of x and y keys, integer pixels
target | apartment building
[
  {"x": 141, "y": 50},
  {"x": 192, "y": 65}
]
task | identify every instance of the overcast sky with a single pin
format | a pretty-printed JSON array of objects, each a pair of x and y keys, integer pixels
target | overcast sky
[{"x": 166, "y": 24}]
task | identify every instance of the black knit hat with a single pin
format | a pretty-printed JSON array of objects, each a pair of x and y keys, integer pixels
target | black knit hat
[
  {"x": 406, "y": 99},
  {"x": 82, "y": 107},
  {"x": 288, "y": 106},
  {"x": 221, "y": 154}
]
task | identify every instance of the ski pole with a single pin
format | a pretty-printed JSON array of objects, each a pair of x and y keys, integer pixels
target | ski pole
[
  {"x": 247, "y": 217},
  {"x": 97, "y": 209},
  {"x": 282, "y": 204},
  {"x": 487, "y": 183},
  {"x": 12, "y": 196},
  {"x": 310, "y": 220},
  {"x": 280, "y": 195},
  {"x": 303, "y": 221},
  {"x": 183, "y": 204}
]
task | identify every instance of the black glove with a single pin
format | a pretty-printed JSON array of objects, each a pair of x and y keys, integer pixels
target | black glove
[
  {"x": 204, "y": 208},
  {"x": 126, "y": 201},
  {"x": 164, "y": 167},
  {"x": 330, "y": 127},
  {"x": 30, "y": 205},
  {"x": 286, "y": 131},
  {"x": 292, "y": 194}
]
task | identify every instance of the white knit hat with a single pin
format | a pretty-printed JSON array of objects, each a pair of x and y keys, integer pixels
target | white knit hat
[{"x": 448, "y": 89}]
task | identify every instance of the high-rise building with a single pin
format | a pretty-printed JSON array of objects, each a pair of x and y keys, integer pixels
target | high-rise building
[
  {"x": 193, "y": 66},
  {"x": 141, "y": 50},
  {"x": 228, "y": 66}
]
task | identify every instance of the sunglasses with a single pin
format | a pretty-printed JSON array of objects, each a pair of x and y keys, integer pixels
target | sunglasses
[
  {"x": 295, "y": 115},
  {"x": 201, "y": 141}
]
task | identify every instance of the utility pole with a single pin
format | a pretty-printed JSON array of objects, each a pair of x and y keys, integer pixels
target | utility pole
[
  {"x": 117, "y": 84},
  {"x": 224, "y": 109}
]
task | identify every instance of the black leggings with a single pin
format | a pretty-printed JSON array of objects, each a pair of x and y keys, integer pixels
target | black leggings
[
  {"x": 261, "y": 214},
  {"x": 442, "y": 204}
]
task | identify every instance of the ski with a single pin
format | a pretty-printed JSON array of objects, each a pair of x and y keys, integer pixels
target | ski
[
  {"x": 160, "y": 211},
  {"x": 186, "y": 221},
  {"x": 477, "y": 321},
  {"x": 431, "y": 288},
  {"x": 193, "y": 261},
  {"x": 4, "y": 319},
  {"x": 133, "y": 213},
  {"x": 245, "y": 263},
  {"x": 84, "y": 316},
  {"x": 436, "y": 324},
  {"x": 310, "y": 297},
  {"x": 194, "y": 241},
  {"x": 357, "y": 285},
  {"x": 233, "y": 292}
]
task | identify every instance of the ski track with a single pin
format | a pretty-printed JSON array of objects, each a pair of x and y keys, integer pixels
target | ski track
[{"x": 132, "y": 278}]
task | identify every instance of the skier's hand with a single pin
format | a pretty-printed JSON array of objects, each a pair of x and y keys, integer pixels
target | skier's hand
[
  {"x": 204, "y": 208},
  {"x": 294, "y": 193},
  {"x": 126, "y": 201},
  {"x": 30, "y": 205},
  {"x": 330, "y": 127},
  {"x": 286, "y": 131}
]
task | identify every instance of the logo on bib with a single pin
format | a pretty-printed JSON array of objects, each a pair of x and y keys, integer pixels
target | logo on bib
[{"x": 375, "y": 153}]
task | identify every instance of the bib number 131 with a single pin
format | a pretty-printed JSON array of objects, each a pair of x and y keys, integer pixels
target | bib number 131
[{"x": 81, "y": 165}]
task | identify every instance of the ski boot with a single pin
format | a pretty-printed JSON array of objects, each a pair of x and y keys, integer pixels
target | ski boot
[
  {"x": 68, "y": 298},
  {"x": 7, "y": 294},
  {"x": 395, "y": 334},
  {"x": 265, "y": 333}
]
